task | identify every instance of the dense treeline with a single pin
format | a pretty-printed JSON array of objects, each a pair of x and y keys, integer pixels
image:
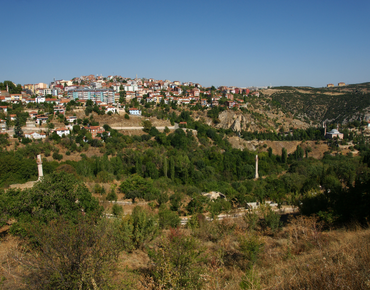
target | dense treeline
[
  {"x": 12, "y": 88},
  {"x": 176, "y": 162},
  {"x": 189, "y": 161}
]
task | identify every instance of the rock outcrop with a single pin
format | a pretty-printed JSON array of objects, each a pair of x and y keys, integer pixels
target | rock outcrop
[{"x": 235, "y": 121}]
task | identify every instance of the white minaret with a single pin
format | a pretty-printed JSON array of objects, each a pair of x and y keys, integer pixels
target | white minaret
[
  {"x": 256, "y": 176},
  {"x": 39, "y": 167}
]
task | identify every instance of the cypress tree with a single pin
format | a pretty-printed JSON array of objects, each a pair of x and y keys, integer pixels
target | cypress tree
[
  {"x": 172, "y": 168},
  {"x": 165, "y": 166},
  {"x": 284, "y": 156}
]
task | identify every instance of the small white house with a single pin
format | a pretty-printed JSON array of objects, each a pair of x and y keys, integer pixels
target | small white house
[
  {"x": 62, "y": 131},
  {"x": 35, "y": 135},
  {"x": 59, "y": 109},
  {"x": 135, "y": 112},
  {"x": 2, "y": 125},
  {"x": 40, "y": 99},
  {"x": 71, "y": 119},
  {"x": 111, "y": 109},
  {"x": 41, "y": 119}
]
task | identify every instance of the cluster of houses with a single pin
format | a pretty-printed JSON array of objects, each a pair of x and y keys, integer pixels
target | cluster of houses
[
  {"x": 96, "y": 132},
  {"x": 106, "y": 91}
]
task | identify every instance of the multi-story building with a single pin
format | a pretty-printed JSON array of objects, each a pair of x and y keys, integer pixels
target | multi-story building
[
  {"x": 30, "y": 87},
  {"x": 41, "y": 86},
  {"x": 102, "y": 95}
]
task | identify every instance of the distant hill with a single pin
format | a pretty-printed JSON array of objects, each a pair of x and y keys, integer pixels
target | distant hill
[{"x": 334, "y": 104}]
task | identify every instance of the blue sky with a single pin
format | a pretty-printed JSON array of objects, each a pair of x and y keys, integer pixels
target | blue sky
[{"x": 233, "y": 43}]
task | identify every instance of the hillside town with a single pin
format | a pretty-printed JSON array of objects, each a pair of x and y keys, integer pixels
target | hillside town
[
  {"x": 112, "y": 94},
  {"x": 110, "y": 90}
]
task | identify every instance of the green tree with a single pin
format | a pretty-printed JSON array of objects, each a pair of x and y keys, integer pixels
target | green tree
[
  {"x": 270, "y": 152},
  {"x": 172, "y": 168},
  {"x": 139, "y": 187},
  {"x": 138, "y": 229},
  {"x": 284, "y": 156},
  {"x": 57, "y": 194},
  {"x": 147, "y": 125},
  {"x": 167, "y": 218},
  {"x": 165, "y": 166},
  {"x": 178, "y": 262}
]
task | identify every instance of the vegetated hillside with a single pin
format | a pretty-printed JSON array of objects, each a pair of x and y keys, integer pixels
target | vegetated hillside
[{"x": 335, "y": 104}]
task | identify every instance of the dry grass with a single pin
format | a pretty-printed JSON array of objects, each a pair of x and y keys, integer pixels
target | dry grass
[
  {"x": 300, "y": 256},
  {"x": 304, "y": 257},
  {"x": 11, "y": 272},
  {"x": 343, "y": 264}
]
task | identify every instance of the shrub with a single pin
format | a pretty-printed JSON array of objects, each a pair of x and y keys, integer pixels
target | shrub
[
  {"x": 136, "y": 230},
  {"x": 104, "y": 177},
  {"x": 97, "y": 188},
  {"x": 162, "y": 198},
  {"x": 68, "y": 255},
  {"x": 250, "y": 280},
  {"x": 112, "y": 195},
  {"x": 251, "y": 219},
  {"x": 270, "y": 220},
  {"x": 213, "y": 231},
  {"x": 117, "y": 210},
  {"x": 57, "y": 156},
  {"x": 250, "y": 245},
  {"x": 26, "y": 141},
  {"x": 175, "y": 200},
  {"x": 168, "y": 218},
  {"x": 178, "y": 262},
  {"x": 196, "y": 221}
]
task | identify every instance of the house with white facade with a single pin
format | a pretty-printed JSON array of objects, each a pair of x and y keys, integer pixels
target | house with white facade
[
  {"x": 41, "y": 119},
  {"x": 111, "y": 109},
  {"x": 135, "y": 112},
  {"x": 62, "y": 131},
  {"x": 59, "y": 109},
  {"x": 71, "y": 119},
  {"x": 2, "y": 125},
  {"x": 35, "y": 135},
  {"x": 40, "y": 99}
]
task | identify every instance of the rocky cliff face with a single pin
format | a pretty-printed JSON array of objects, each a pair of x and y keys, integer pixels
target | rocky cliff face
[{"x": 235, "y": 121}]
